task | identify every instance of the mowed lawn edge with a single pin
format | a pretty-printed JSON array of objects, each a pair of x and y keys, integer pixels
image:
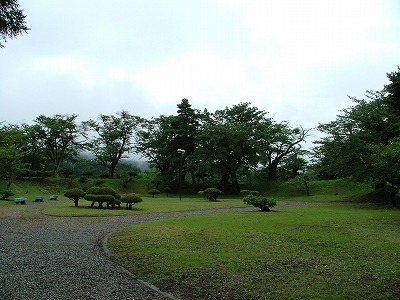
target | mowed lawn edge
[{"x": 334, "y": 251}]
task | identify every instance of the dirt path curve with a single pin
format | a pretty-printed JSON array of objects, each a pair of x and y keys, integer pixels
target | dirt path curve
[{"x": 44, "y": 257}]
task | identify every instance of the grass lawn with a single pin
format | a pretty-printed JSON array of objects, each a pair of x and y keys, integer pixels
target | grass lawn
[
  {"x": 157, "y": 204},
  {"x": 335, "y": 251}
]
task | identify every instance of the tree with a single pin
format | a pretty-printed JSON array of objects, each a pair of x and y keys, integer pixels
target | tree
[
  {"x": 293, "y": 165},
  {"x": 228, "y": 142},
  {"x": 12, "y": 20},
  {"x": 11, "y": 154},
  {"x": 57, "y": 137},
  {"x": 115, "y": 138},
  {"x": 279, "y": 142},
  {"x": 183, "y": 131},
  {"x": 363, "y": 141},
  {"x": 154, "y": 143},
  {"x": 74, "y": 194}
]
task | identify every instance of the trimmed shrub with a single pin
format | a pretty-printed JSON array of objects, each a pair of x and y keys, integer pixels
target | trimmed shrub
[
  {"x": 262, "y": 202},
  {"x": 74, "y": 194},
  {"x": 83, "y": 179},
  {"x": 153, "y": 192},
  {"x": 211, "y": 193},
  {"x": 131, "y": 199},
  {"x": 103, "y": 195}
]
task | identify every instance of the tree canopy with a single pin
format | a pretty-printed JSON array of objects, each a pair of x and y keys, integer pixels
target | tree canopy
[
  {"x": 113, "y": 140},
  {"x": 363, "y": 141},
  {"x": 12, "y": 20}
]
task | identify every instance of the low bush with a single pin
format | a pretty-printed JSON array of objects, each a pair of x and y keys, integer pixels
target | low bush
[
  {"x": 211, "y": 193},
  {"x": 153, "y": 192},
  {"x": 131, "y": 199},
  {"x": 103, "y": 195},
  {"x": 262, "y": 202}
]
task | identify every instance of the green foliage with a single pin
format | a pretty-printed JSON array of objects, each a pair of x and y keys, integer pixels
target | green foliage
[
  {"x": 103, "y": 195},
  {"x": 99, "y": 182},
  {"x": 66, "y": 172},
  {"x": 262, "y": 202},
  {"x": 83, "y": 180},
  {"x": 74, "y": 194},
  {"x": 114, "y": 138},
  {"x": 131, "y": 199},
  {"x": 211, "y": 193},
  {"x": 56, "y": 139},
  {"x": 12, "y": 20},
  {"x": 249, "y": 192},
  {"x": 153, "y": 192},
  {"x": 125, "y": 177},
  {"x": 5, "y": 194},
  {"x": 363, "y": 141},
  {"x": 301, "y": 180}
]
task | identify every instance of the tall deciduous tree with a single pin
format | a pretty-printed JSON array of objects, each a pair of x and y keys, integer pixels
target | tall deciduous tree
[
  {"x": 363, "y": 141},
  {"x": 280, "y": 141},
  {"x": 154, "y": 143},
  {"x": 11, "y": 153},
  {"x": 114, "y": 140},
  {"x": 57, "y": 138},
  {"x": 12, "y": 20},
  {"x": 228, "y": 141}
]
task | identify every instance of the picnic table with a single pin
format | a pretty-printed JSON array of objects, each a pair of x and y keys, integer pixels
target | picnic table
[
  {"x": 53, "y": 197},
  {"x": 20, "y": 200},
  {"x": 38, "y": 198}
]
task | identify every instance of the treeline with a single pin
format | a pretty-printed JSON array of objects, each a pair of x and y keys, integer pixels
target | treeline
[
  {"x": 224, "y": 146},
  {"x": 196, "y": 146}
]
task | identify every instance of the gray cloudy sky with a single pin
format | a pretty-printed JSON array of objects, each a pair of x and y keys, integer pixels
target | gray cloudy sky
[{"x": 297, "y": 60}]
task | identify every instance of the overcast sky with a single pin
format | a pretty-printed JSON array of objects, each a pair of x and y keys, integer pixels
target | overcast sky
[{"x": 298, "y": 60}]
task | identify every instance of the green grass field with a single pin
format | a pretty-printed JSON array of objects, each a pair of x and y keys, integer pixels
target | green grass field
[
  {"x": 157, "y": 204},
  {"x": 344, "y": 249},
  {"x": 340, "y": 251}
]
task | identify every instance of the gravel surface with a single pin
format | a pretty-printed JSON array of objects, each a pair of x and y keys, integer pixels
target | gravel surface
[{"x": 44, "y": 257}]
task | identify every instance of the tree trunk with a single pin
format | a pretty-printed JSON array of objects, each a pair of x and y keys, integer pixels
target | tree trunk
[
  {"x": 224, "y": 178},
  {"x": 235, "y": 183},
  {"x": 272, "y": 168},
  {"x": 307, "y": 186},
  {"x": 194, "y": 182}
]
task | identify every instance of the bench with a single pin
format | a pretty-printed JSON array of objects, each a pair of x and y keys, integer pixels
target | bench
[
  {"x": 53, "y": 197},
  {"x": 38, "y": 198},
  {"x": 20, "y": 200}
]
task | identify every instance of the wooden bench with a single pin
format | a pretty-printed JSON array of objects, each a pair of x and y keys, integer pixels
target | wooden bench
[
  {"x": 38, "y": 198},
  {"x": 20, "y": 200},
  {"x": 53, "y": 197}
]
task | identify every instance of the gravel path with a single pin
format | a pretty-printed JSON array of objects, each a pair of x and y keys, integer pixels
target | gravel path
[{"x": 44, "y": 257}]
